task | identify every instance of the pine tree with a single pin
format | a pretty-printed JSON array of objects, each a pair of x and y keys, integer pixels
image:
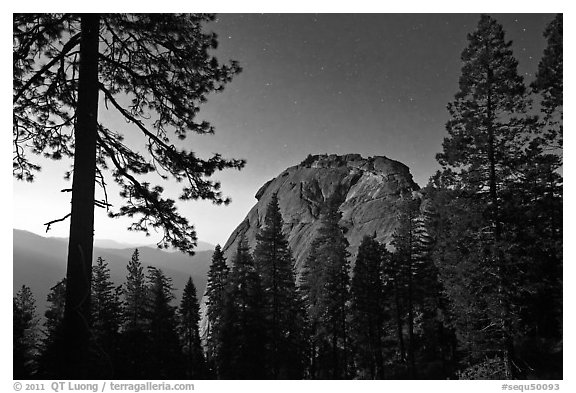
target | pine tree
[
  {"x": 549, "y": 82},
  {"x": 215, "y": 303},
  {"x": 51, "y": 356},
  {"x": 534, "y": 252},
  {"x": 25, "y": 333},
  {"x": 282, "y": 307},
  {"x": 395, "y": 300},
  {"x": 367, "y": 310},
  {"x": 241, "y": 354},
  {"x": 418, "y": 291},
  {"x": 55, "y": 313},
  {"x": 134, "y": 292},
  {"x": 326, "y": 290},
  {"x": 334, "y": 259},
  {"x": 537, "y": 204},
  {"x": 310, "y": 288},
  {"x": 145, "y": 66},
  {"x": 459, "y": 253},
  {"x": 405, "y": 242},
  {"x": 484, "y": 161},
  {"x": 164, "y": 349},
  {"x": 189, "y": 315},
  {"x": 106, "y": 316},
  {"x": 135, "y": 339},
  {"x": 393, "y": 306}
]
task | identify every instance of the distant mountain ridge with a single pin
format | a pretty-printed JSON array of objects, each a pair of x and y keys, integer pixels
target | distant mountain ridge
[
  {"x": 40, "y": 262},
  {"x": 116, "y": 245}
]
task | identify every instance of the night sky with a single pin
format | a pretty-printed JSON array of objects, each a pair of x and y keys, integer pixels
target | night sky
[{"x": 373, "y": 84}]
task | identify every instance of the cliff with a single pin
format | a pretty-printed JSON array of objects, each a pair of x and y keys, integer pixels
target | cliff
[{"x": 369, "y": 187}]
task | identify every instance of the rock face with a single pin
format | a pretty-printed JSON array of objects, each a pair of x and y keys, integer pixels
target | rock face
[{"x": 369, "y": 187}]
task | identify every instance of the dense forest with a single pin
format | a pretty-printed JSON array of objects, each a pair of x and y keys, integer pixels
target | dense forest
[{"x": 469, "y": 288}]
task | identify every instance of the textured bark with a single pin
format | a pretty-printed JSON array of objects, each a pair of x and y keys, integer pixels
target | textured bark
[
  {"x": 79, "y": 269},
  {"x": 495, "y": 213}
]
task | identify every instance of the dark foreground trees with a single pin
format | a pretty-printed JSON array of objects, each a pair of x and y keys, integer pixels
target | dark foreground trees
[
  {"x": 283, "y": 311},
  {"x": 499, "y": 197},
  {"x": 144, "y": 337},
  {"x": 549, "y": 84},
  {"x": 151, "y": 69},
  {"x": 135, "y": 341},
  {"x": 241, "y": 336},
  {"x": 215, "y": 303},
  {"x": 51, "y": 353},
  {"x": 469, "y": 287},
  {"x": 106, "y": 317},
  {"x": 488, "y": 131},
  {"x": 416, "y": 293},
  {"x": 367, "y": 309},
  {"x": 326, "y": 285},
  {"x": 25, "y": 333},
  {"x": 166, "y": 360},
  {"x": 188, "y": 317}
]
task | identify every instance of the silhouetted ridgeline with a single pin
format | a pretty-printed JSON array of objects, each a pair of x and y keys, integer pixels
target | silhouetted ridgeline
[{"x": 40, "y": 262}]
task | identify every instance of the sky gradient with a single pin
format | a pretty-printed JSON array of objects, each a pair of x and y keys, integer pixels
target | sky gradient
[{"x": 373, "y": 84}]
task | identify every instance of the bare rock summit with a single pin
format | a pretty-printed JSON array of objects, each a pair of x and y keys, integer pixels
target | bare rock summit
[{"x": 370, "y": 189}]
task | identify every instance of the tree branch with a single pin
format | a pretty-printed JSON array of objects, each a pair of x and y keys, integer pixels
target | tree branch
[
  {"x": 33, "y": 36},
  {"x": 48, "y": 224},
  {"x": 65, "y": 49},
  {"x": 170, "y": 98},
  {"x": 138, "y": 123},
  {"x": 123, "y": 171}
]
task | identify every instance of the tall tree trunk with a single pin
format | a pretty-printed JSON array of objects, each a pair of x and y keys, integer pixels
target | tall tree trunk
[
  {"x": 378, "y": 357},
  {"x": 334, "y": 351},
  {"x": 345, "y": 348},
  {"x": 399, "y": 323},
  {"x": 275, "y": 313},
  {"x": 507, "y": 348},
  {"x": 76, "y": 322},
  {"x": 313, "y": 351},
  {"x": 411, "y": 359}
]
